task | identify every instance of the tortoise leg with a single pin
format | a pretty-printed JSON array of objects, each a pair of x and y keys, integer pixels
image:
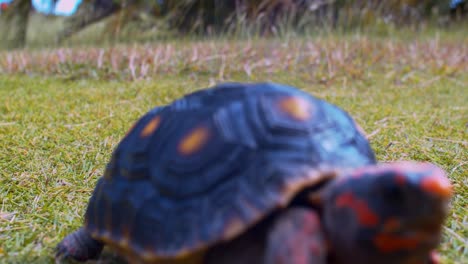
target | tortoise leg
[
  {"x": 296, "y": 238},
  {"x": 79, "y": 246}
]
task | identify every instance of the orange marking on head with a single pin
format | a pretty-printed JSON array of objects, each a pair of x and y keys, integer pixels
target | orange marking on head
[
  {"x": 437, "y": 185},
  {"x": 364, "y": 214},
  {"x": 151, "y": 126},
  {"x": 194, "y": 141},
  {"x": 390, "y": 243},
  {"x": 391, "y": 225},
  {"x": 295, "y": 107}
]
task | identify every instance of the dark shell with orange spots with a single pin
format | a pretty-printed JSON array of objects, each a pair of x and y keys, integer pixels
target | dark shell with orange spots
[{"x": 214, "y": 162}]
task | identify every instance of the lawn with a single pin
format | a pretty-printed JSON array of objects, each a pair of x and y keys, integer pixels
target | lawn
[{"x": 64, "y": 110}]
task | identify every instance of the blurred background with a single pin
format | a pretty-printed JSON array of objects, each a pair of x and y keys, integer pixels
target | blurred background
[
  {"x": 75, "y": 74},
  {"x": 36, "y": 23}
]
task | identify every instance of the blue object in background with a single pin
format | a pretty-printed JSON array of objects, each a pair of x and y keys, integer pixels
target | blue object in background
[
  {"x": 43, "y": 6},
  {"x": 455, "y": 3},
  {"x": 61, "y": 8},
  {"x": 66, "y": 7}
]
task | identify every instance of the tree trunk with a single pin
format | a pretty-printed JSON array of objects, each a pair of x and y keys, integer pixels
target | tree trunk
[
  {"x": 89, "y": 12},
  {"x": 16, "y": 19}
]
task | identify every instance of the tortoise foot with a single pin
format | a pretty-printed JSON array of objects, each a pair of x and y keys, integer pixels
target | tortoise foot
[{"x": 78, "y": 246}]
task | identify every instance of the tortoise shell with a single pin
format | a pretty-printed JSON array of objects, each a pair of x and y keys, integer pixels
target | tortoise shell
[{"x": 213, "y": 163}]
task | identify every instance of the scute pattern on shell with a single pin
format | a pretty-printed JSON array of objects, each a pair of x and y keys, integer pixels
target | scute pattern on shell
[{"x": 160, "y": 203}]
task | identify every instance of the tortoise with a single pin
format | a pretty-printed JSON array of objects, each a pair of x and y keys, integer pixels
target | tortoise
[{"x": 258, "y": 173}]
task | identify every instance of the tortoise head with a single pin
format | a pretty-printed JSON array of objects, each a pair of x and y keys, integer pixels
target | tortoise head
[{"x": 387, "y": 213}]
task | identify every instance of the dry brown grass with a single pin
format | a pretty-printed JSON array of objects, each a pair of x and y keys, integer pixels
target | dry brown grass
[{"x": 323, "y": 60}]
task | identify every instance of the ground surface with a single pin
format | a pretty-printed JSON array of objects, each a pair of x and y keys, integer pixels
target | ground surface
[{"x": 63, "y": 111}]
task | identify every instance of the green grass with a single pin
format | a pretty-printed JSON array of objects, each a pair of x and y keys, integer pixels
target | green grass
[{"x": 63, "y": 112}]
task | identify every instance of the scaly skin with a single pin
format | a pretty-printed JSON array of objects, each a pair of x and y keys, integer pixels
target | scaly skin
[
  {"x": 388, "y": 213},
  {"x": 297, "y": 238},
  {"x": 79, "y": 246}
]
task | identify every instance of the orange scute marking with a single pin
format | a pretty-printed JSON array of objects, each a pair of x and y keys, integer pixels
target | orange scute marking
[
  {"x": 194, "y": 141},
  {"x": 151, "y": 126},
  {"x": 295, "y": 107},
  {"x": 390, "y": 243},
  {"x": 437, "y": 185},
  {"x": 365, "y": 215}
]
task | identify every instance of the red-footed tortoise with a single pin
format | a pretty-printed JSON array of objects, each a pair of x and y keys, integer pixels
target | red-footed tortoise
[{"x": 259, "y": 173}]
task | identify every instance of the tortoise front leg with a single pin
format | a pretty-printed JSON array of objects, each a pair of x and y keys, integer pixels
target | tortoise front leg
[
  {"x": 296, "y": 238},
  {"x": 79, "y": 246}
]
